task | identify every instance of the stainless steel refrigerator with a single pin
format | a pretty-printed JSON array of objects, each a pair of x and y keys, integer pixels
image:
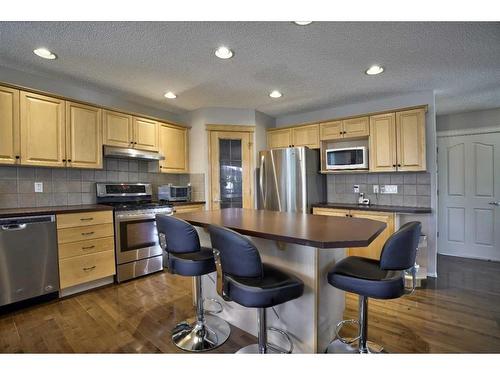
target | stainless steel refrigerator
[{"x": 288, "y": 179}]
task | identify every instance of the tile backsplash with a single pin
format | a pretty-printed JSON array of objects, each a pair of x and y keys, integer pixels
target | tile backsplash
[
  {"x": 67, "y": 186},
  {"x": 414, "y": 189}
]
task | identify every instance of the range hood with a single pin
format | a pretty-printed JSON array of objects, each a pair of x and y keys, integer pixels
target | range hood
[{"x": 131, "y": 153}]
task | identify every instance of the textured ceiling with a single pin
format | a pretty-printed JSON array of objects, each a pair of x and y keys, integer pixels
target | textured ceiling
[{"x": 320, "y": 65}]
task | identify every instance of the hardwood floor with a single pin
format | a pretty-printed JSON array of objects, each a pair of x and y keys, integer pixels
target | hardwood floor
[{"x": 459, "y": 313}]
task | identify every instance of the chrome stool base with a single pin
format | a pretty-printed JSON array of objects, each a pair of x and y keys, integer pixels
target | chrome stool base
[
  {"x": 254, "y": 349},
  {"x": 338, "y": 347},
  {"x": 195, "y": 336}
]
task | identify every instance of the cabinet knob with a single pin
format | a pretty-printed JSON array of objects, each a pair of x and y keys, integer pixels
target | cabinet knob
[
  {"x": 64, "y": 160},
  {"x": 18, "y": 157},
  {"x": 69, "y": 160},
  {"x": 394, "y": 165},
  {"x": 399, "y": 165}
]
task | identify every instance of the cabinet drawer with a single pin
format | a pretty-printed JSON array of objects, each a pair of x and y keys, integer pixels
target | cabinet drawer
[
  {"x": 85, "y": 268},
  {"x": 89, "y": 232},
  {"x": 72, "y": 249},
  {"x": 81, "y": 219},
  {"x": 190, "y": 208},
  {"x": 330, "y": 212}
]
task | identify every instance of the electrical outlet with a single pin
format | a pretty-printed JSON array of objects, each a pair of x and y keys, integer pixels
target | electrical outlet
[
  {"x": 389, "y": 189},
  {"x": 375, "y": 189},
  {"x": 355, "y": 188},
  {"x": 38, "y": 187}
]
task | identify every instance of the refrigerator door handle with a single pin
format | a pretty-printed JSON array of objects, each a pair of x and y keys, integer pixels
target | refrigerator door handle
[{"x": 261, "y": 181}]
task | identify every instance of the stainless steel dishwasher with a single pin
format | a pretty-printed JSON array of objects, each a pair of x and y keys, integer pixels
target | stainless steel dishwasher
[{"x": 28, "y": 258}]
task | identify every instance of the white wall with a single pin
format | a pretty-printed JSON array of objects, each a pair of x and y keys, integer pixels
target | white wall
[
  {"x": 383, "y": 104},
  {"x": 469, "y": 120},
  {"x": 73, "y": 89},
  {"x": 198, "y": 119}
]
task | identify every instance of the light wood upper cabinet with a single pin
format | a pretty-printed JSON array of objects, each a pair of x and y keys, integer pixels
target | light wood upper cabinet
[
  {"x": 382, "y": 143},
  {"x": 117, "y": 129},
  {"x": 9, "y": 125},
  {"x": 356, "y": 127},
  {"x": 331, "y": 130},
  {"x": 375, "y": 248},
  {"x": 145, "y": 134},
  {"x": 83, "y": 136},
  {"x": 42, "y": 130},
  {"x": 279, "y": 138},
  {"x": 307, "y": 135},
  {"x": 410, "y": 134},
  {"x": 174, "y": 146},
  {"x": 397, "y": 141}
]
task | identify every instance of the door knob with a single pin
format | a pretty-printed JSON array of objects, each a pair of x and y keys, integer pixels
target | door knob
[{"x": 495, "y": 203}]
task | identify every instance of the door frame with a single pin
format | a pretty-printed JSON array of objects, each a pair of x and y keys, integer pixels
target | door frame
[
  {"x": 455, "y": 133},
  {"x": 250, "y": 130}
]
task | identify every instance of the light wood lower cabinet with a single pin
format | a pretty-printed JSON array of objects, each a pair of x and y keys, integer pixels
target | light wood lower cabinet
[
  {"x": 375, "y": 248},
  {"x": 174, "y": 146},
  {"x": 9, "y": 126},
  {"x": 188, "y": 208},
  {"x": 86, "y": 252},
  {"x": 43, "y": 141},
  {"x": 83, "y": 136}
]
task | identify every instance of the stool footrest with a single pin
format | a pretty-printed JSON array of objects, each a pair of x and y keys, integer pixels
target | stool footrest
[
  {"x": 218, "y": 311},
  {"x": 287, "y": 338},
  {"x": 346, "y": 340}
]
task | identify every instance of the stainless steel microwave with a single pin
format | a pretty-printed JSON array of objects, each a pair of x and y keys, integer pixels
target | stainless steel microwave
[
  {"x": 347, "y": 158},
  {"x": 174, "y": 193}
]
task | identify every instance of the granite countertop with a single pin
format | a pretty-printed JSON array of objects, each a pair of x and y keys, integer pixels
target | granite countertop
[
  {"x": 325, "y": 232},
  {"x": 374, "y": 207},
  {"x": 52, "y": 210}
]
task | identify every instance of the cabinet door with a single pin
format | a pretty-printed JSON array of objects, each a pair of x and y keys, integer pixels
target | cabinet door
[
  {"x": 117, "y": 129},
  {"x": 382, "y": 143},
  {"x": 306, "y": 136},
  {"x": 145, "y": 134},
  {"x": 42, "y": 130},
  {"x": 83, "y": 136},
  {"x": 279, "y": 138},
  {"x": 410, "y": 135},
  {"x": 189, "y": 208},
  {"x": 330, "y": 212},
  {"x": 375, "y": 248},
  {"x": 173, "y": 145},
  {"x": 331, "y": 130},
  {"x": 9, "y": 125},
  {"x": 356, "y": 127}
]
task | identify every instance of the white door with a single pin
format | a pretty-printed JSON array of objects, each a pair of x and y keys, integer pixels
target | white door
[{"x": 469, "y": 196}]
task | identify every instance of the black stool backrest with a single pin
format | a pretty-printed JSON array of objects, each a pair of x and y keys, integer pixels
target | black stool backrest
[
  {"x": 238, "y": 255},
  {"x": 180, "y": 236},
  {"x": 400, "y": 250}
]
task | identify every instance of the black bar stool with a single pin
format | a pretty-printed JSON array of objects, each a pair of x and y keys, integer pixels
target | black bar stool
[
  {"x": 250, "y": 283},
  {"x": 380, "y": 279},
  {"x": 185, "y": 257}
]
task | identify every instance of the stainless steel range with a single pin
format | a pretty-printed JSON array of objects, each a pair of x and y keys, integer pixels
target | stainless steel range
[{"x": 136, "y": 240}]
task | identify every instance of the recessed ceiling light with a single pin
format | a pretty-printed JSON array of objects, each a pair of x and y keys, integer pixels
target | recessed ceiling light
[
  {"x": 374, "y": 70},
  {"x": 170, "y": 95},
  {"x": 223, "y": 53},
  {"x": 302, "y": 23},
  {"x": 44, "y": 53},
  {"x": 275, "y": 94}
]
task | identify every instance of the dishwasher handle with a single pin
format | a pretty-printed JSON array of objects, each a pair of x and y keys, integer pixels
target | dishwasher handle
[{"x": 13, "y": 227}]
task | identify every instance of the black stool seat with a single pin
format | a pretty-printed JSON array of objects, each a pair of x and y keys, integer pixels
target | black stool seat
[
  {"x": 192, "y": 264},
  {"x": 272, "y": 288},
  {"x": 364, "y": 276}
]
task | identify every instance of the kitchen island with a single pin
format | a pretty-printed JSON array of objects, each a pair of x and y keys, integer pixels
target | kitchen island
[{"x": 305, "y": 245}]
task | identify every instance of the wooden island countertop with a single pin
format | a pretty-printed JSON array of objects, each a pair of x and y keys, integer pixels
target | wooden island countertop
[{"x": 323, "y": 232}]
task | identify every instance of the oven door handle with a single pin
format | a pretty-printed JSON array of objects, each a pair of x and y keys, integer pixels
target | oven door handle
[{"x": 122, "y": 219}]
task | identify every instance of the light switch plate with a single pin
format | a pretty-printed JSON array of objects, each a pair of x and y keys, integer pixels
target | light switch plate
[
  {"x": 355, "y": 188},
  {"x": 38, "y": 187},
  {"x": 375, "y": 189},
  {"x": 389, "y": 189}
]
